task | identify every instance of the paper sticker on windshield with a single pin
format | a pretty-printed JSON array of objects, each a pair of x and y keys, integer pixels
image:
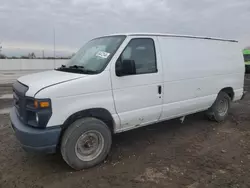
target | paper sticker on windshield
[{"x": 102, "y": 54}]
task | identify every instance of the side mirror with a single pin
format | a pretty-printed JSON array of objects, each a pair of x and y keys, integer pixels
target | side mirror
[{"x": 127, "y": 67}]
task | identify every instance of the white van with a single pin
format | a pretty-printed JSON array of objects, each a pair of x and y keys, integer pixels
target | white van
[{"x": 120, "y": 82}]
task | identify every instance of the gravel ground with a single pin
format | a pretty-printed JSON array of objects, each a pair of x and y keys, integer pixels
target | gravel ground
[{"x": 195, "y": 154}]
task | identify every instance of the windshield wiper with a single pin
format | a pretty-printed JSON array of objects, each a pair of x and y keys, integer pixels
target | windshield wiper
[
  {"x": 62, "y": 67},
  {"x": 76, "y": 69},
  {"x": 81, "y": 68}
]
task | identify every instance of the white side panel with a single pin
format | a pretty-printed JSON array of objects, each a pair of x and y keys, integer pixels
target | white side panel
[
  {"x": 186, "y": 58},
  {"x": 140, "y": 117},
  {"x": 185, "y": 107},
  {"x": 195, "y": 70},
  {"x": 66, "y": 106}
]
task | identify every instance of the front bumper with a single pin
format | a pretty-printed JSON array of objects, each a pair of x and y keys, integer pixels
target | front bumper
[{"x": 34, "y": 139}]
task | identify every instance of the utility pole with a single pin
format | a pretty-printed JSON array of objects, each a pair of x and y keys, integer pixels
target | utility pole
[
  {"x": 43, "y": 53},
  {"x": 54, "y": 47}
]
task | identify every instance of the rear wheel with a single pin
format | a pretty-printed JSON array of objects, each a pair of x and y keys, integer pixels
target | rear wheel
[
  {"x": 219, "y": 110},
  {"x": 86, "y": 143}
]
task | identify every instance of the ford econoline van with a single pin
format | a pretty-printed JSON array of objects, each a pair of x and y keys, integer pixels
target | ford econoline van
[{"x": 121, "y": 82}]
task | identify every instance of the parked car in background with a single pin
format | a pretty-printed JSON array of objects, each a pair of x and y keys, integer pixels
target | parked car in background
[{"x": 121, "y": 82}]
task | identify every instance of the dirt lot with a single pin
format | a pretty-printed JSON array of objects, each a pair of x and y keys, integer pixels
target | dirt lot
[{"x": 197, "y": 153}]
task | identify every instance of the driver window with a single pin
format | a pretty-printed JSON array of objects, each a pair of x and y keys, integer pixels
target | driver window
[{"x": 142, "y": 52}]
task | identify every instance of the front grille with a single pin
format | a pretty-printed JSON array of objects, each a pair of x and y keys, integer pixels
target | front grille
[
  {"x": 19, "y": 91},
  {"x": 16, "y": 101}
]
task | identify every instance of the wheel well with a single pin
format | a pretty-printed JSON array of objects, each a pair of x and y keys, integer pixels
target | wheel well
[
  {"x": 99, "y": 113},
  {"x": 229, "y": 91}
]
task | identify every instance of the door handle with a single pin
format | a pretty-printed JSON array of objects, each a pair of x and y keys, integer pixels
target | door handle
[{"x": 159, "y": 89}]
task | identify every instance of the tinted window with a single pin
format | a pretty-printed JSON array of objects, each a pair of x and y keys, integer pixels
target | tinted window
[{"x": 142, "y": 52}]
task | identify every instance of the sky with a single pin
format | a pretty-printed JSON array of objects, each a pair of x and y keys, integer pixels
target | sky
[{"x": 28, "y": 25}]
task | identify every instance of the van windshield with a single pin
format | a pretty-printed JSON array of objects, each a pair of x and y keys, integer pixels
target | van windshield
[{"x": 93, "y": 57}]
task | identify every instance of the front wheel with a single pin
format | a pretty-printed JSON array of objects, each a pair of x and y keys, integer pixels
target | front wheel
[
  {"x": 219, "y": 110},
  {"x": 86, "y": 143}
]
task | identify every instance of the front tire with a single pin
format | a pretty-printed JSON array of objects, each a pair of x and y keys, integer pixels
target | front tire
[
  {"x": 86, "y": 143},
  {"x": 219, "y": 110}
]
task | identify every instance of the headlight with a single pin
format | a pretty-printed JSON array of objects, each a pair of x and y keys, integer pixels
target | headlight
[{"x": 39, "y": 112}]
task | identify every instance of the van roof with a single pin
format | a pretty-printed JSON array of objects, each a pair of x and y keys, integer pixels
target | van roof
[{"x": 173, "y": 35}]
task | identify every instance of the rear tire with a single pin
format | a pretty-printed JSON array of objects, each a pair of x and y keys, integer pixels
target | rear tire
[
  {"x": 219, "y": 110},
  {"x": 86, "y": 143}
]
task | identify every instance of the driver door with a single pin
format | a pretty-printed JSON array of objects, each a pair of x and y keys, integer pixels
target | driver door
[{"x": 138, "y": 98}]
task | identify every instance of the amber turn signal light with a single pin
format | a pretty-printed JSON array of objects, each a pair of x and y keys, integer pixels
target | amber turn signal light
[
  {"x": 41, "y": 104},
  {"x": 44, "y": 104}
]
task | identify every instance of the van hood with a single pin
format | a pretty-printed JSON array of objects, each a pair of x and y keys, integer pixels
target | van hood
[{"x": 39, "y": 81}]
